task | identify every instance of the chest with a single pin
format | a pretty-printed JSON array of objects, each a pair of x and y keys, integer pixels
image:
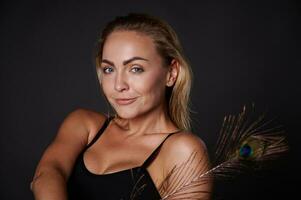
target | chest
[
  {"x": 130, "y": 184},
  {"x": 113, "y": 153},
  {"x": 109, "y": 154}
]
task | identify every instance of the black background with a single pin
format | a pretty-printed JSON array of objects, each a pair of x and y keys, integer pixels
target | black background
[{"x": 241, "y": 52}]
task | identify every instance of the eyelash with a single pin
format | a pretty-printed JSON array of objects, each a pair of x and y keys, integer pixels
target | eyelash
[{"x": 140, "y": 69}]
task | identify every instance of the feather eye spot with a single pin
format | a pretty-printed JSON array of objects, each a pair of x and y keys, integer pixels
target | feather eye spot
[
  {"x": 245, "y": 151},
  {"x": 251, "y": 149}
]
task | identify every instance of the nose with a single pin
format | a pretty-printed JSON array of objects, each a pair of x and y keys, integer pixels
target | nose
[{"x": 121, "y": 83}]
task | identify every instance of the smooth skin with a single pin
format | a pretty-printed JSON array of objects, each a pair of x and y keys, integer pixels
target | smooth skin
[{"x": 131, "y": 68}]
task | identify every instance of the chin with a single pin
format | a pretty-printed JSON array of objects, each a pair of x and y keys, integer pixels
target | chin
[{"x": 126, "y": 114}]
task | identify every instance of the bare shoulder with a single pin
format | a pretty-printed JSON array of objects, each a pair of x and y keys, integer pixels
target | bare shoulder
[
  {"x": 85, "y": 119},
  {"x": 73, "y": 135},
  {"x": 185, "y": 165},
  {"x": 184, "y": 142},
  {"x": 181, "y": 146},
  {"x": 86, "y": 116},
  {"x": 89, "y": 117}
]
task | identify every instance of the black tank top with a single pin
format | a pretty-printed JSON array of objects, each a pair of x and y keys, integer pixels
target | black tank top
[{"x": 130, "y": 184}]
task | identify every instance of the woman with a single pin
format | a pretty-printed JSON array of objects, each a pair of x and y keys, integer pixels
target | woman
[{"x": 146, "y": 150}]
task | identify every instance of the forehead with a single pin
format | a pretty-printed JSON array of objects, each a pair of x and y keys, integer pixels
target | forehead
[{"x": 126, "y": 44}]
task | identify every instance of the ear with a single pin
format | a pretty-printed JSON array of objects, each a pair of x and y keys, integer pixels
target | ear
[{"x": 172, "y": 74}]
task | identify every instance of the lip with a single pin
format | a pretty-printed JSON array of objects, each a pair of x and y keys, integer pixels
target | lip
[{"x": 125, "y": 101}]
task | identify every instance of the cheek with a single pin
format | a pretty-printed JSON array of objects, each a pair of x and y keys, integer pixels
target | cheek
[
  {"x": 152, "y": 89},
  {"x": 106, "y": 85}
]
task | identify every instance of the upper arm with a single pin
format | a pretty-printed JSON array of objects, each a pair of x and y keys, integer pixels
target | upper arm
[
  {"x": 185, "y": 163},
  {"x": 71, "y": 138}
]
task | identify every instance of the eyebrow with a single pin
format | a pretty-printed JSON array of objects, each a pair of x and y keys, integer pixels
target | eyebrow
[{"x": 126, "y": 61}]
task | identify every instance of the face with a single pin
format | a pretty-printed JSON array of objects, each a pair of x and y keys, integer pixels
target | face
[{"x": 133, "y": 76}]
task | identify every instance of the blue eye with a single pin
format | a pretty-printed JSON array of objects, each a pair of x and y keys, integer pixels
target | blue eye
[
  {"x": 107, "y": 70},
  {"x": 137, "y": 70}
]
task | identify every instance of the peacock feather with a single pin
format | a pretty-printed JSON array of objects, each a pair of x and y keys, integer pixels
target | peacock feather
[{"x": 245, "y": 142}]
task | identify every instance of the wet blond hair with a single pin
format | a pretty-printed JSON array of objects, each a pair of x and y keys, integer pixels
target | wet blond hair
[{"x": 169, "y": 47}]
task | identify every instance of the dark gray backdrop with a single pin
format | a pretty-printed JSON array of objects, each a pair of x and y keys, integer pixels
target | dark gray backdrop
[{"x": 241, "y": 52}]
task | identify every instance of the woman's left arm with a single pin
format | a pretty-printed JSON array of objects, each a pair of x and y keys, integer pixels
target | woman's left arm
[{"x": 186, "y": 166}]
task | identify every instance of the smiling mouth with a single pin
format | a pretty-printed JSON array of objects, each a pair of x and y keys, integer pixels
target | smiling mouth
[{"x": 125, "y": 101}]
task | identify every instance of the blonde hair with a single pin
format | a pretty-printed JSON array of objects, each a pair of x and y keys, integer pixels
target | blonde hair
[{"x": 169, "y": 48}]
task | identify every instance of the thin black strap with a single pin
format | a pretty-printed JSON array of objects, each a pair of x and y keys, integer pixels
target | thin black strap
[
  {"x": 101, "y": 130},
  {"x": 154, "y": 153}
]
